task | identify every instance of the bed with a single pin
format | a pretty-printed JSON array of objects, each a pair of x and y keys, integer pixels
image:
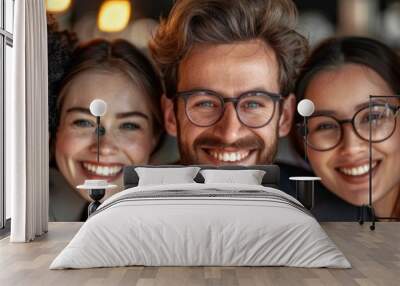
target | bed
[{"x": 201, "y": 223}]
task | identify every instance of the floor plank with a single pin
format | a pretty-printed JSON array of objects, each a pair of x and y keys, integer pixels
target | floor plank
[{"x": 374, "y": 255}]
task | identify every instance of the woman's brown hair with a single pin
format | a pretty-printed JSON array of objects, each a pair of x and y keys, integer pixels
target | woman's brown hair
[
  {"x": 60, "y": 46},
  {"x": 120, "y": 55},
  {"x": 193, "y": 22},
  {"x": 335, "y": 52}
]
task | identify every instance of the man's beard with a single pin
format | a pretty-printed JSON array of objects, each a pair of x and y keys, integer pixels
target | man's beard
[{"x": 266, "y": 150}]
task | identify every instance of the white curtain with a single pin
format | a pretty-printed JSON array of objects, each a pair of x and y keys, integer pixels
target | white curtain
[{"x": 27, "y": 173}]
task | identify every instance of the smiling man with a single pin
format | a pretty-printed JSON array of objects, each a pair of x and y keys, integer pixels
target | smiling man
[{"x": 229, "y": 69}]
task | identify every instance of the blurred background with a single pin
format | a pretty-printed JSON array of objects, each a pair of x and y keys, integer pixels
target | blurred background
[{"x": 136, "y": 20}]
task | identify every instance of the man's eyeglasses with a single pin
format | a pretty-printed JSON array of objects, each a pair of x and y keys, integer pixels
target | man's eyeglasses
[
  {"x": 255, "y": 109},
  {"x": 325, "y": 132}
]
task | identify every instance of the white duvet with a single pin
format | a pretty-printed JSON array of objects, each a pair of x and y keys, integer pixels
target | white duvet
[{"x": 224, "y": 225}]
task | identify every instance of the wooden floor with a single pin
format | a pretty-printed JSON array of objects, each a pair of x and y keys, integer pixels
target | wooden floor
[{"x": 374, "y": 255}]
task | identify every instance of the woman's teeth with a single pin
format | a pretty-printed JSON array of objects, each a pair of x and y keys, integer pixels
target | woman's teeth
[
  {"x": 357, "y": 171},
  {"x": 102, "y": 170},
  {"x": 229, "y": 156}
]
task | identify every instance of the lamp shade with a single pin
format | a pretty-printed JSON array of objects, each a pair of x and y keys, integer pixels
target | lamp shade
[
  {"x": 98, "y": 107},
  {"x": 305, "y": 107}
]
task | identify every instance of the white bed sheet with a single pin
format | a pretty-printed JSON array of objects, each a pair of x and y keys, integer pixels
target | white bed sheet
[{"x": 200, "y": 231}]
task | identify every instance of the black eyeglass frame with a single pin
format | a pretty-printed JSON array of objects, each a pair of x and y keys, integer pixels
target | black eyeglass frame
[
  {"x": 304, "y": 129},
  {"x": 275, "y": 97}
]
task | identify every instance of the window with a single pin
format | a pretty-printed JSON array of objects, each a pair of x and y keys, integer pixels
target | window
[{"x": 6, "y": 44}]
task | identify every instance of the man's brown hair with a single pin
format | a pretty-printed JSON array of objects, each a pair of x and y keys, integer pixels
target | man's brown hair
[{"x": 193, "y": 22}]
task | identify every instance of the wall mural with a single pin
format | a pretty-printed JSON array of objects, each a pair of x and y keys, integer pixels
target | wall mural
[{"x": 230, "y": 104}]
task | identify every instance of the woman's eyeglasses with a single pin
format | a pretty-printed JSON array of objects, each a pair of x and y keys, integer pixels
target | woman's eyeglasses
[
  {"x": 205, "y": 108},
  {"x": 325, "y": 132}
]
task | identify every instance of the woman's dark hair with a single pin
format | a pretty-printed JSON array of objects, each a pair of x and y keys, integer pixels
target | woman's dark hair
[
  {"x": 336, "y": 52},
  {"x": 121, "y": 56},
  {"x": 60, "y": 45},
  {"x": 100, "y": 54}
]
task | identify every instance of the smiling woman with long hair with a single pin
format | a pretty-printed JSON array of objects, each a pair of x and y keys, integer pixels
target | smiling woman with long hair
[
  {"x": 124, "y": 78},
  {"x": 338, "y": 77}
]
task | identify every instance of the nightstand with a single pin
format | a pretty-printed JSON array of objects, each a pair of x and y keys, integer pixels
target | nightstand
[
  {"x": 97, "y": 190},
  {"x": 305, "y": 190}
]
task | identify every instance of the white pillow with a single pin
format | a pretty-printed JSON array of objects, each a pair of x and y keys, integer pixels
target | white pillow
[
  {"x": 162, "y": 176},
  {"x": 248, "y": 177}
]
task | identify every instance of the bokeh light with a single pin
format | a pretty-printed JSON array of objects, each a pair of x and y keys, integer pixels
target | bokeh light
[
  {"x": 114, "y": 15},
  {"x": 57, "y": 6}
]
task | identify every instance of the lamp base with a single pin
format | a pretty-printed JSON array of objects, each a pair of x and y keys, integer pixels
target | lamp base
[
  {"x": 96, "y": 195},
  {"x": 364, "y": 210}
]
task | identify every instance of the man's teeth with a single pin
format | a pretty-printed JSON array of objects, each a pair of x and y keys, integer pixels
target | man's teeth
[
  {"x": 229, "y": 156},
  {"x": 357, "y": 171},
  {"x": 102, "y": 170}
]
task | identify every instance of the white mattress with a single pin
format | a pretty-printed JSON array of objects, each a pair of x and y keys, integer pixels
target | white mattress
[{"x": 220, "y": 226}]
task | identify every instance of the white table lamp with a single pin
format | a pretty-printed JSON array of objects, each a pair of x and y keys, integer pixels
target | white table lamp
[
  {"x": 305, "y": 108},
  {"x": 97, "y": 188},
  {"x": 98, "y": 108},
  {"x": 305, "y": 185}
]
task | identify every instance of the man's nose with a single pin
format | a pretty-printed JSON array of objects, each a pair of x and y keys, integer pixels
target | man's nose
[{"x": 228, "y": 128}]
